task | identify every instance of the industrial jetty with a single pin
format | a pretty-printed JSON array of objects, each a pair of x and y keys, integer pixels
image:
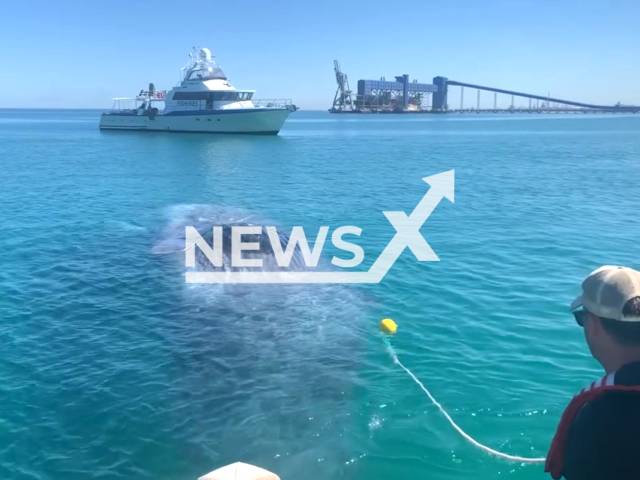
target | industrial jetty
[{"x": 403, "y": 96}]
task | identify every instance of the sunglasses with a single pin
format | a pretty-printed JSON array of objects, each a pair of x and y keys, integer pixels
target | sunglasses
[{"x": 580, "y": 316}]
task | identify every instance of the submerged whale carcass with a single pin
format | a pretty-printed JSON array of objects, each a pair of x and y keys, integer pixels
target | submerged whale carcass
[{"x": 268, "y": 369}]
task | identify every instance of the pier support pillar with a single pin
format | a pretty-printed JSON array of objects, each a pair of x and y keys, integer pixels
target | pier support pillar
[
  {"x": 405, "y": 91},
  {"x": 439, "y": 101}
]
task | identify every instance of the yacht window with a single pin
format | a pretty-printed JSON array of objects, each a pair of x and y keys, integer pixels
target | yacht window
[
  {"x": 190, "y": 95},
  {"x": 211, "y": 73},
  {"x": 229, "y": 96}
]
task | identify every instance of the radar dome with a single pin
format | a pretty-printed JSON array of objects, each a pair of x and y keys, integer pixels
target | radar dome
[{"x": 205, "y": 54}]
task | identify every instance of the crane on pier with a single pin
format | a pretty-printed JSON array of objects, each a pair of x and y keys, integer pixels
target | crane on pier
[{"x": 343, "y": 98}]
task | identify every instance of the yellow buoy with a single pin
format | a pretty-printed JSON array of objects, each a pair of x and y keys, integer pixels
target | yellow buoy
[{"x": 388, "y": 326}]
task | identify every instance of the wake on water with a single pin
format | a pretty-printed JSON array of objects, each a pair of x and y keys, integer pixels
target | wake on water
[{"x": 286, "y": 356}]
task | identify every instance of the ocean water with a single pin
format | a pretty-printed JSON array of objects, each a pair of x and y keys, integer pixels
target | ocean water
[{"x": 112, "y": 367}]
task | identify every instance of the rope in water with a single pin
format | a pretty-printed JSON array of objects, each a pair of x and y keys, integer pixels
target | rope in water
[{"x": 513, "y": 458}]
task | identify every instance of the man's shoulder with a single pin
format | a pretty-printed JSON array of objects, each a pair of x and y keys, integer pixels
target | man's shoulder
[
  {"x": 602, "y": 439},
  {"x": 612, "y": 404},
  {"x": 602, "y": 442},
  {"x": 616, "y": 403}
]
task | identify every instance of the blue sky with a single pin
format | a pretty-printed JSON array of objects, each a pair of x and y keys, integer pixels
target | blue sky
[{"x": 79, "y": 54}]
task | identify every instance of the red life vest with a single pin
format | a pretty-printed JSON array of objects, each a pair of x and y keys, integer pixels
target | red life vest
[{"x": 555, "y": 457}]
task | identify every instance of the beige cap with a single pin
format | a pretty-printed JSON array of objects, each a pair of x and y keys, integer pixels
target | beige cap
[{"x": 606, "y": 291}]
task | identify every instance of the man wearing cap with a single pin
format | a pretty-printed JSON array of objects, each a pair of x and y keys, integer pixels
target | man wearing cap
[{"x": 598, "y": 437}]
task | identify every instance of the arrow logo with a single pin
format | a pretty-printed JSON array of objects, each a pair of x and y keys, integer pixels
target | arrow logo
[
  {"x": 408, "y": 228},
  {"x": 407, "y": 235}
]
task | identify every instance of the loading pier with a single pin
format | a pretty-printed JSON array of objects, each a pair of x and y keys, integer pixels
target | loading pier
[{"x": 403, "y": 96}]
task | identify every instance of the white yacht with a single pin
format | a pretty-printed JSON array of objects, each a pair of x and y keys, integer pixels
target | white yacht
[{"x": 203, "y": 101}]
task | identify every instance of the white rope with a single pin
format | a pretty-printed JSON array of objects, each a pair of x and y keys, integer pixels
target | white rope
[{"x": 513, "y": 458}]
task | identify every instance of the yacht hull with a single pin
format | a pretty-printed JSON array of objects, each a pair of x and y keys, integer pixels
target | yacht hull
[{"x": 258, "y": 121}]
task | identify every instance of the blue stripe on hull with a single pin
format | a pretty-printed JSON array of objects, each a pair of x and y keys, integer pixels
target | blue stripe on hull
[{"x": 137, "y": 129}]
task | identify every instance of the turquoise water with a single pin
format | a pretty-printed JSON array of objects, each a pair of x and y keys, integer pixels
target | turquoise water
[{"x": 112, "y": 367}]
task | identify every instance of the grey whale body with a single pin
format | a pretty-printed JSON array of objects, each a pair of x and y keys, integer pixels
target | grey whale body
[{"x": 269, "y": 369}]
